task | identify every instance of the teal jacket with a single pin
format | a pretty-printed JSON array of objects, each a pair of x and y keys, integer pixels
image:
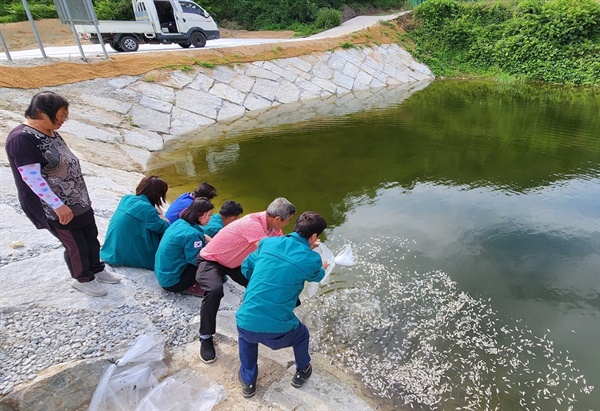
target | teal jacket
[
  {"x": 134, "y": 233},
  {"x": 277, "y": 271},
  {"x": 179, "y": 247},
  {"x": 214, "y": 225}
]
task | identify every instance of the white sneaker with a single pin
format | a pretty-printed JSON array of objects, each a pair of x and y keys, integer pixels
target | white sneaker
[
  {"x": 93, "y": 288},
  {"x": 106, "y": 277}
]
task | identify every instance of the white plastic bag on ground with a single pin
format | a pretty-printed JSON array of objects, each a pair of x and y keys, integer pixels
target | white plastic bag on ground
[
  {"x": 145, "y": 348},
  {"x": 345, "y": 257},
  {"x": 185, "y": 390},
  {"x": 125, "y": 383}
]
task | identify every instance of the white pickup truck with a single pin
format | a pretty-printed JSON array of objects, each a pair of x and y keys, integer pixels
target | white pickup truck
[{"x": 158, "y": 22}]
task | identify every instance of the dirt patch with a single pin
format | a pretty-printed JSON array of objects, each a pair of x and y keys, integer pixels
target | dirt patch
[{"x": 37, "y": 74}]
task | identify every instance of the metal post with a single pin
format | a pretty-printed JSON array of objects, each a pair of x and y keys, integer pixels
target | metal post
[
  {"x": 35, "y": 32},
  {"x": 5, "y": 47},
  {"x": 92, "y": 14},
  {"x": 70, "y": 19}
]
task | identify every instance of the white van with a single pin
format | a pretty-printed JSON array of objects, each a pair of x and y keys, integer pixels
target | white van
[{"x": 158, "y": 22}]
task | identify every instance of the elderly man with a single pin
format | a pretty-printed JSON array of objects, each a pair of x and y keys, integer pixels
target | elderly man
[{"x": 224, "y": 255}]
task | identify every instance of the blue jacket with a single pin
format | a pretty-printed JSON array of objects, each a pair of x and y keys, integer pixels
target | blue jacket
[
  {"x": 179, "y": 247},
  {"x": 134, "y": 233},
  {"x": 214, "y": 225},
  {"x": 277, "y": 271},
  {"x": 181, "y": 203}
]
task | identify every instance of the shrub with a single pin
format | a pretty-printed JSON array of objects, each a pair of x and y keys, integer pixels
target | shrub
[
  {"x": 114, "y": 9},
  {"x": 328, "y": 18},
  {"x": 555, "y": 41},
  {"x": 16, "y": 12}
]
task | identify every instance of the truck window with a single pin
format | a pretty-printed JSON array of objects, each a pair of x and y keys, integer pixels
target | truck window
[{"x": 189, "y": 7}]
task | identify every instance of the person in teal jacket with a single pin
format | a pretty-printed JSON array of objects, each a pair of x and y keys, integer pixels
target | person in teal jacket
[
  {"x": 229, "y": 212},
  {"x": 276, "y": 272},
  {"x": 137, "y": 226},
  {"x": 175, "y": 264}
]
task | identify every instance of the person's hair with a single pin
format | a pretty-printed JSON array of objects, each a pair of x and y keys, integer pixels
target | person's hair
[
  {"x": 47, "y": 102},
  {"x": 205, "y": 190},
  {"x": 155, "y": 188},
  {"x": 281, "y": 207},
  {"x": 200, "y": 205},
  {"x": 231, "y": 209},
  {"x": 309, "y": 223}
]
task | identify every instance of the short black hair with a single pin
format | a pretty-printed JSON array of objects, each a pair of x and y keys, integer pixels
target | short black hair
[
  {"x": 200, "y": 205},
  {"x": 309, "y": 223},
  {"x": 231, "y": 209},
  {"x": 155, "y": 188},
  {"x": 47, "y": 102},
  {"x": 205, "y": 190}
]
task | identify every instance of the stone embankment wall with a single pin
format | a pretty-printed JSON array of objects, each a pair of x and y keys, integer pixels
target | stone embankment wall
[{"x": 140, "y": 114}]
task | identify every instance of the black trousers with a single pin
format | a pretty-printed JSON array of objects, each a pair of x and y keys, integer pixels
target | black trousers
[
  {"x": 188, "y": 278},
  {"x": 211, "y": 276},
  {"x": 82, "y": 249}
]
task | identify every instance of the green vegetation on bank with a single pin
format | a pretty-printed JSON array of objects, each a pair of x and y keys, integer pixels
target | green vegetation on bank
[{"x": 555, "y": 41}]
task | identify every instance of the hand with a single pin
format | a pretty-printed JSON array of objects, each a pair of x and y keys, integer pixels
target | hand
[
  {"x": 325, "y": 265},
  {"x": 161, "y": 215},
  {"x": 64, "y": 213}
]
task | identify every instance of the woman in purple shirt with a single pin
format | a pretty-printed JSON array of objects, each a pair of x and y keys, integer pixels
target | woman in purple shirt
[{"x": 52, "y": 191}]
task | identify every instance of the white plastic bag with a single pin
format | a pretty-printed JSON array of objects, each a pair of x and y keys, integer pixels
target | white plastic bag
[
  {"x": 326, "y": 255},
  {"x": 185, "y": 390},
  {"x": 145, "y": 348},
  {"x": 345, "y": 257},
  {"x": 125, "y": 383}
]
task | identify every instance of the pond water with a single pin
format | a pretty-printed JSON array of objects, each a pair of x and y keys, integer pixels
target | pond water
[{"x": 473, "y": 211}]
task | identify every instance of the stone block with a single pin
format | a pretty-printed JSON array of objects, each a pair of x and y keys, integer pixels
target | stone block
[
  {"x": 201, "y": 82},
  {"x": 287, "y": 93},
  {"x": 83, "y": 130},
  {"x": 154, "y": 90},
  {"x": 265, "y": 88},
  {"x": 150, "y": 120},
  {"x": 255, "y": 102},
  {"x": 155, "y": 104},
  {"x": 185, "y": 121},
  {"x": 223, "y": 74},
  {"x": 199, "y": 102},
  {"x": 143, "y": 139},
  {"x": 226, "y": 92},
  {"x": 105, "y": 103}
]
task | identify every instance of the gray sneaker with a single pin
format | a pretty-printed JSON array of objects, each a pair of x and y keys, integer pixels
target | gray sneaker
[
  {"x": 106, "y": 277},
  {"x": 93, "y": 288}
]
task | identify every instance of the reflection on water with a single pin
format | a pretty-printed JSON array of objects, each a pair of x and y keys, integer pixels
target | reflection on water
[{"x": 473, "y": 211}]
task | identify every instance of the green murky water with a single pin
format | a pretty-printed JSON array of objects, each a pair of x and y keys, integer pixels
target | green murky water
[{"x": 473, "y": 211}]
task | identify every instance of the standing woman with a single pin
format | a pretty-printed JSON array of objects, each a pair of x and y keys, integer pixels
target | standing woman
[
  {"x": 176, "y": 265},
  {"x": 52, "y": 191},
  {"x": 136, "y": 227}
]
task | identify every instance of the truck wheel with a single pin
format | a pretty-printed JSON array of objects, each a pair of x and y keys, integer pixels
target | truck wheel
[
  {"x": 115, "y": 46},
  {"x": 197, "y": 39},
  {"x": 128, "y": 43},
  {"x": 184, "y": 44}
]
